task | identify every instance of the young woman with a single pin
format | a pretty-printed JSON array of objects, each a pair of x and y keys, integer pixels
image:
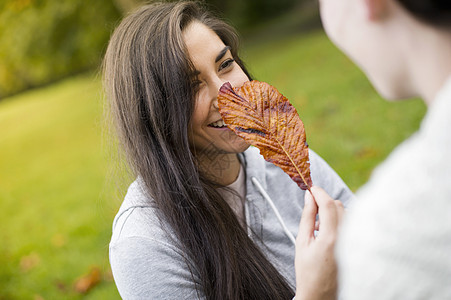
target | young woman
[
  {"x": 396, "y": 240},
  {"x": 207, "y": 217}
]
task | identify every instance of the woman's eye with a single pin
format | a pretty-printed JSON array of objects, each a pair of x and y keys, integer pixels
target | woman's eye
[{"x": 227, "y": 63}]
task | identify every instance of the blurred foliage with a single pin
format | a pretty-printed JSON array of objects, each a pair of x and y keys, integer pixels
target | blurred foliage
[
  {"x": 242, "y": 13},
  {"x": 43, "y": 40},
  {"x": 247, "y": 13}
]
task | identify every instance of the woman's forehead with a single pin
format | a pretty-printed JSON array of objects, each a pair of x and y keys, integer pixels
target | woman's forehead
[{"x": 202, "y": 42}]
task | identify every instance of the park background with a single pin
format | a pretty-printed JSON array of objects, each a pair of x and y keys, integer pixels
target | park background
[{"x": 59, "y": 184}]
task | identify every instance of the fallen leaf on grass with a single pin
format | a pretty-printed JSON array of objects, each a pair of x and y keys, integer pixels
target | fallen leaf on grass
[
  {"x": 86, "y": 282},
  {"x": 29, "y": 262},
  {"x": 60, "y": 285},
  {"x": 262, "y": 116}
]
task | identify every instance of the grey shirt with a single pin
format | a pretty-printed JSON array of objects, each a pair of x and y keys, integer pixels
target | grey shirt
[{"x": 147, "y": 262}]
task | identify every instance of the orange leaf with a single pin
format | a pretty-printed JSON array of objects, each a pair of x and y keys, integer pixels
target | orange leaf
[
  {"x": 29, "y": 262},
  {"x": 88, "y": 281},
  {"x": 262, "y": 116}
]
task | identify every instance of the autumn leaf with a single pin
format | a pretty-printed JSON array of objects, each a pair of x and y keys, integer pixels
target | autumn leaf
[
  {"x": 86, "y": 282},
  {"x": 262, "y": 116},
  {"x": 29, "y": 262}
]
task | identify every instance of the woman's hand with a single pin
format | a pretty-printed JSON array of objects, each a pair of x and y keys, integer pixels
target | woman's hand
[{"x": 316, "y": 270}]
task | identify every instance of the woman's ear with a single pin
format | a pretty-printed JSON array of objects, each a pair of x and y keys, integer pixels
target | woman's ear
[{"x": 376, "y": 9}]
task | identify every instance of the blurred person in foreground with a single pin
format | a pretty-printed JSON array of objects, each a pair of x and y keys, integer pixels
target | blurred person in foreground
[
  {"x": 201, "y": 221},
  {"x": 395, "y": 242}
]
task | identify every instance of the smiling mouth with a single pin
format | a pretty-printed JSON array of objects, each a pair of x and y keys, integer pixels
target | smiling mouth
[{"x": 218, "y": 124}]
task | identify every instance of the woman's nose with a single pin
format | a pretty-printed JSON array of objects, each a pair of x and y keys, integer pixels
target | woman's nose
[
  {"x": 215, "y": 103},
  {"x": 215, "y": 91}
]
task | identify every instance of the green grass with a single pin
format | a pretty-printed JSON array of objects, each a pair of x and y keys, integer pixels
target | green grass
[{"x": 57, "y": 205}]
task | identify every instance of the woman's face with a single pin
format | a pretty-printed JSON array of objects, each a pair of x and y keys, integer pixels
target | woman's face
[{"x": 214, "y": 66}]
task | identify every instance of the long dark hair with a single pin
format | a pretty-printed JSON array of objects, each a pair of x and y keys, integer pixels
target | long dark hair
[
  {"x": 434, "y": 12},
  {"x": 147, "y": 77}
]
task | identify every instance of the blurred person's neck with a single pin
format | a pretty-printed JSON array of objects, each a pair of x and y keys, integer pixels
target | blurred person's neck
[{"x": 429, "y": 59}]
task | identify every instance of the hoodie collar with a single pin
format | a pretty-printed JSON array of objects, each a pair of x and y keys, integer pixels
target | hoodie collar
[{"x": 255, "y": 166}]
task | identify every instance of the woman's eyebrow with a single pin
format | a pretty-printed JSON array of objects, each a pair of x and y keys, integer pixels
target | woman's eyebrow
[{"x": 222, "y": 53}]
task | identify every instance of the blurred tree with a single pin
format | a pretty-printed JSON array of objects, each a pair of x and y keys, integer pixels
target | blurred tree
[
  {"x": 247, "y": 13},
  {"x": 126, "y": 6},
  {"x": 44, "y": 40}
]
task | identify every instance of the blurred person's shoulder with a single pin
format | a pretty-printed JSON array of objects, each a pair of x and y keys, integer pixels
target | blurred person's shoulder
[{"x": 401, "y": 218}]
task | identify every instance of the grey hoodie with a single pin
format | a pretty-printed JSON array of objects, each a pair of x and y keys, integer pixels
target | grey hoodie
[{"x": 147, "y": 262}]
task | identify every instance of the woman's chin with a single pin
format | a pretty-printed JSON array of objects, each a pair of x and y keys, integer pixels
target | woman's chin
[
  {"x": 243, "y": 147},
  {"x": 237, "y": 146}
]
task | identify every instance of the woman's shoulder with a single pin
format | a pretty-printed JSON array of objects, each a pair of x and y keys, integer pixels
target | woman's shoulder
[
  {"x": 144, "y": 254},
  {"x": 138, "y": 217}
]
